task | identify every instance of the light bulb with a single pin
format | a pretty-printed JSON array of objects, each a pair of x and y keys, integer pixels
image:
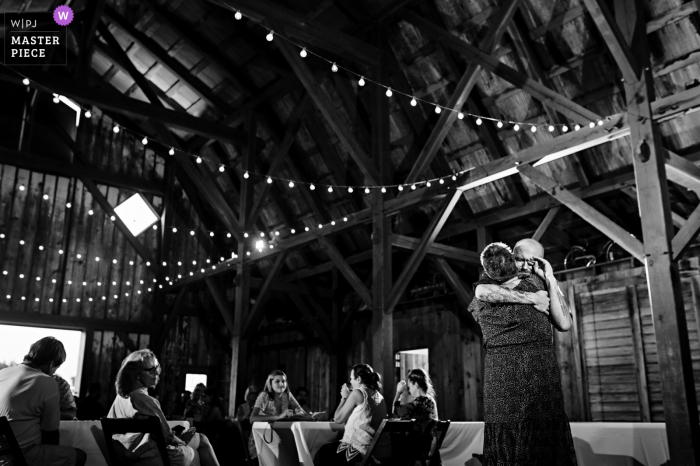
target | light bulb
[
  {"x": 516, "y": 127},
  {"x": 383, "y": 189},
  {"x": 400, "y": 188},
  {"x": 345, "y": 219},
  {"x": 245, "y": 235},
  {"x": 293, "y": 231},
  {"x": 41, "y": 248},
  {"x": 97, "y": 259},
  {"x": 270, "y": 36},
  {"x": 577, "y": 127},
  {"x": 334, "y": 68},
  {"x": 171, "y": 151},
  {"x": 269, "y": 180},
  {"x": 144, "y": 141},
  {"x": 174, "y": 230},
  {"x": 306, "y": 229},
  {"x": 454, "y": 177},
  {"x": 114, "y": 261},
  {"x": 388, "y": 92},
  {"x": 366, "y": 190},
  {"x": 88, "y": 114},
  {"x": 413, "y": 187},
  {"x": 79, "y": 256},
  {"x": 591, "y": 124},
  {"x": 479, "y": 121},
  {"x": 428, "y": 184},
  {"x": 246, "y": 175},
  {"x": 69, "y": 205},
  {"x": 320, "y": 225},
  {"x": 238, "y": 15},
  {"x": 199, "y": 159},
  {"x": 551, "y": 128},
  {"x": 60, "y": 251},
  {"x": 533, "y": 128},
  {"x": 499, "y": 124},
  {"x": 25, "y": 81},
  {"x": 211, "y": 233},
  {"x": 361, "y": 82},
  {"x": 600, "y": 122},
  {"x": 116, "y": 128},
  {"x": 228, "y": 235},
  {"x": 91, "y": 212},
  {"x": 21, "y": 187},
  {"x": 350, "y": 189},
  {"x": 332, "y": 222},
  {"x": 191, "y": 232},
  {"x": 442, "y": 181},
  {"x": 46, "y": 197},
  {"x": 413, "y": 102},
  {"x": 221, "y": 169},
  {"x": 56, "y": 99},
  {"x": 312, "y": 187},
  {"x": 262, "y": 234},
  {"x": 330, "y": 189},
  {"x": 460, "y": 115},
  {"x": 565, "y": 128},
  {"x": 303, "y": 53},
  {"x": 21, "y": 242},
  {"x": 437, "y": 109}
]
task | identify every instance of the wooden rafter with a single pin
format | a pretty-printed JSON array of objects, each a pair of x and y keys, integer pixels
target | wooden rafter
[
  {"x": 258, "y": 312},
  {"x": 325, "y": 105},
  {"x": 349, "y": 274},
  {"x": 585, "y": 211},
  {"x": 464, "y": 294},
  {"x": 313, "y": 321},
  {"x": 546, "y": 223},
  {"x": 440, "y": 250},
  {"x": 221, "y": 304},
  {"x": 687, "y": 233},
  {"x": 461, "y": 93}
]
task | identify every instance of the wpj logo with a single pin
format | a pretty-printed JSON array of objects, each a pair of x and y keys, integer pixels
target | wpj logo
[{"x": 36, "y": 38}]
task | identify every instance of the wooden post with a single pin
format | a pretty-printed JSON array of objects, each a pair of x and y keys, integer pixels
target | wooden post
[
  {"x": 579, "y": 352},
  {"x": 638, "y": 349},
  {"x": 382, "y": 320}
]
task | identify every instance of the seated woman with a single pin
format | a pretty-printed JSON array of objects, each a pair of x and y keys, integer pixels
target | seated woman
[
  {"x": 246, "y": 409},
  {"x": 138, "y": 372},
  {"x": 274, "y": 403},
  {"x": 211, "y": 408},
  {"x": 422, "y": 395},
  {"x": 362, "y": 410}
]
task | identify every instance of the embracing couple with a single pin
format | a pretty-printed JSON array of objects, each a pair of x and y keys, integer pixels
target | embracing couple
[{"x": 517, "y": 302}]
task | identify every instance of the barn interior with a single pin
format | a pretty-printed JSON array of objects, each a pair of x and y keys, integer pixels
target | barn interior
[{"x": 320, "y": 177}]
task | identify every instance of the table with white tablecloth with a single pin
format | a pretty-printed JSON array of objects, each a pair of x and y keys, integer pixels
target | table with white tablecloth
[
  {"x": 88, "y": 436},
  {"x": 596, "y": 443}
]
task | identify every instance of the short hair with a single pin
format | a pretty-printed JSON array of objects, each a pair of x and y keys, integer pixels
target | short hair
[
  {"x": 498, "y": 262},
  {"x": 48, "y": 350},
  {"x": 367, "y": 376},
  {"x": 422, "y": 379},
  {"x": 268, "y": 382},
  {"x": 131, "y": 366}
]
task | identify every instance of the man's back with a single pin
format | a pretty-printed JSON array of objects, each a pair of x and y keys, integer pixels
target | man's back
[{"x": 29, "y": 399}]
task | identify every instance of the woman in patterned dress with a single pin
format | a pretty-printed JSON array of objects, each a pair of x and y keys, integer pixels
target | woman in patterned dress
[
  {"x": 275, "y": 403},
  {"x": 525, "y": 422},
  {"x": 362, "y": 410},
  {"x": 420, "y": 389}
]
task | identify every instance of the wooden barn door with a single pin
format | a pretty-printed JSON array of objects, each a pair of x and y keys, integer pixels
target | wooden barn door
[{"x": 617, "y": 347}]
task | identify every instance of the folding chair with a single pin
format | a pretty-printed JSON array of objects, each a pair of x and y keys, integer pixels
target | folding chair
[
  {"x": 401, "y": 453},
  {"x": 150, "y": 425},
  {"x": 10, "y": 452},
  {"x": 439, "y": 431}
]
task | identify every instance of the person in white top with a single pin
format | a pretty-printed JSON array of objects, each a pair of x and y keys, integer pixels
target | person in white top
[
  {"x": 29, "y": 398},
  {"x": 361, "y": 409}
]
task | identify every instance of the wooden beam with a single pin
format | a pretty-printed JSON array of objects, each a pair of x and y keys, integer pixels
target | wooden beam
[
  {"x": 118, "y": 103},
  {"x": 349, "y": 274},
  {"x": 548, "y": 219},
  {"x": 635, "y": 316},
  {"x": 221, "y": 304},
  {"x": 686, "y": 235},
  {"x": 311, "y": 32},
  {"x": 128, "y": 342},
  {"x": 548, "y": 97},
  {"x": 427, "y": 240},
  {"x": 246, "y": 199},
  {"x": 464, "y": 294},
  {"x": 682, "y": 171},
  {"x": 93, "y": 11},
  {"x": 614, "y": 39},
  {"x": 258, "y": 312},
  {"x": 441, "y": 250},
  {"x": 71, "y": 322},
  {"x": 313, "y": 321},
  {"x": 172, "y": 319},
  {"x": 53, "y": 166},
  {"x": 325, "y": 105},
  {"x": 585, "y": 211},
  {"x": 461, "y": 93}
]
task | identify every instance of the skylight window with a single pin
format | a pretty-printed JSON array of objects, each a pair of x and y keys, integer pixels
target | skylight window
[{"x": 137, "y": 214}]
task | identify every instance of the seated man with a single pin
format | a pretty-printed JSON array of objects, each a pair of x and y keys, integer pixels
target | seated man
[
  {"x": 529, "y": 259},
  {"x": 29, "y": 398}
]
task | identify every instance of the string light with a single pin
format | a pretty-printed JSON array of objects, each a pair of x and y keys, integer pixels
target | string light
[
  {"x": 361, "y": 82},
  {"x": 330, "y": 189},
  {"x": 334, "y": 68},
  {"x": 303, "y": 53},
  {"x": 269, "y": 180},
  {"x": 388, "y": 92},
  {"x": 270, "y": 36},
  {"x": 551, "y": 128},
  {"x": 400, "y": 188},
  {"x": 115, "y": 129},
  {"x": 238, "y": 15},
  {"x": 221, "y": 168},
  {"x": 591, "y": 124},
  {"x": 413, "y": 102},
  {"x": 199, "y": 159},
  {"x": 533, "y": 128},
  {"x": 516, "y": 127},
  {"x": 21, "y": 187},
  {"x": 565, "y": 128},
  {"x": 312, "y": 187},
  {"x": 577, "y": 127},
  {"x": 460, "y": 115},
  {"x": 144, "y": 141},
  {"x": 350, "y": 189},
  {"x": 499, "y": 124},
  {"x": 56, "y": 98},
  {"x": 383, "y": 189},
  {"x": 171, "y": 151},
  {"x": 246, "y": 175},
  {"x": 88, "y": 114},
  {"x": 25, "y": 81},
  {"x": 366, "y": 190}
]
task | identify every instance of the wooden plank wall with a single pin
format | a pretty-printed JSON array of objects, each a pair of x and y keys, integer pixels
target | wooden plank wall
[{"x": 615, "y": 364}]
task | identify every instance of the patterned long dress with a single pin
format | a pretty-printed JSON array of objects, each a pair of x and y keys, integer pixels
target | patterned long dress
[
  {"x": 267, "y": 408},
  {"x": 525, "y": 422}
]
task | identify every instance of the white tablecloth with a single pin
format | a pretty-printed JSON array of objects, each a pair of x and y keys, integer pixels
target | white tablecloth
[
  {"x": 88, "y": 436},
  {"x": 596, "y": 443}
]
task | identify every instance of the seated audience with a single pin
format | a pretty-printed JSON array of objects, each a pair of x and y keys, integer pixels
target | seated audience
[
  {"x": 362, "y": 410},
  {"x": 193, "y": 408},
  {"x": 246, "y": 409},
  {"x": 274, "y": 403},
  {"x": 211, "y": 408},
  {"x": 90, "y": 408},
  {"x": 422, "y": 404},
  {"x": 66, "y": 400},
  {"x": 302, "y": 396},
  {"x": 139, "y": 371},
  {"x": 29, "y": 398}
]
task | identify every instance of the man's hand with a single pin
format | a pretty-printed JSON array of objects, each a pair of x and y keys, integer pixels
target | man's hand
[
  {"x": 543, "y": 269},
  {"x": 541, "y": 301}
]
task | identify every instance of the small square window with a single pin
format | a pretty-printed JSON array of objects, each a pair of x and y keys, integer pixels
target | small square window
[{"x": 137, "y": 214}]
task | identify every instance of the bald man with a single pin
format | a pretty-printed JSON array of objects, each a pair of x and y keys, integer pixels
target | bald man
[{"x": 529, "y": 258}]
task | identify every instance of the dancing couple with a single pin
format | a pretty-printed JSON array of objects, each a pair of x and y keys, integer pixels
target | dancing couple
[{"x": 516, "y": 304}]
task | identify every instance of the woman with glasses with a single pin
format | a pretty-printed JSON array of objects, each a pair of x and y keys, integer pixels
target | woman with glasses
[{"x": 139, "y": 371}]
